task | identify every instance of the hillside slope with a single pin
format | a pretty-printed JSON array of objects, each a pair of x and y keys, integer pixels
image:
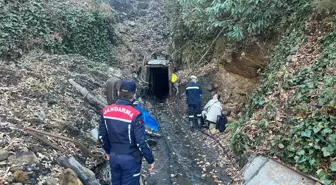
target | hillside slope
[{"x": 291, "y": 115}]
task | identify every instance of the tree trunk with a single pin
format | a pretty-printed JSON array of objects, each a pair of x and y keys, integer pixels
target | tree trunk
[{"x": 92, "y": 99}]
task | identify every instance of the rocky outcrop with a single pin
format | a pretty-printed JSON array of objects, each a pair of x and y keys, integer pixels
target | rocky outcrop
[
  {"x": 244, "y": 62},
  {"x": 234, "y": 90}
]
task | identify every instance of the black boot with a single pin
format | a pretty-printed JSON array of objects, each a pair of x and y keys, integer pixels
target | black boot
[
  {"x": 199, "y": 123},
  {"x": 191, "y": 126}
]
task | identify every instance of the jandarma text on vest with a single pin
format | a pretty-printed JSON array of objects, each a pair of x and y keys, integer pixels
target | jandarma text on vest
[{"x": 119, "y": 109}]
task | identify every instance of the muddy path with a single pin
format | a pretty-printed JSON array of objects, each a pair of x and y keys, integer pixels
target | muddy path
[{"x": 183, "y": 157}]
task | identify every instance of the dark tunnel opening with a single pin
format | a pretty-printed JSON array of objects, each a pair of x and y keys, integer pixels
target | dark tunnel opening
[{"x": 159, "y": 82}]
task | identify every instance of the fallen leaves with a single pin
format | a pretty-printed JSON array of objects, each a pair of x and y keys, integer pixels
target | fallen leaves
[{"x": 36, "y": 94}]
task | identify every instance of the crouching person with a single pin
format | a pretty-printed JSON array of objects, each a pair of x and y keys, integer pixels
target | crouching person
[{"x": 211, "y": 111}]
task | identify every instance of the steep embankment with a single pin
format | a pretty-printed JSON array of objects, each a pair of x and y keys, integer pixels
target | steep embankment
[
  {"x": 36, "y": 93},
  {"x": 291, "y": 115}
]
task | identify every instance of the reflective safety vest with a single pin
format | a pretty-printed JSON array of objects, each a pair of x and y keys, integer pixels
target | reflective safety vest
[
  {"x": 193, "y": 92},
  {"x": 174, "y": 78}
]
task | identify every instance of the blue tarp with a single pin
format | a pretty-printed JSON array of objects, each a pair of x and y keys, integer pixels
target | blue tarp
[{"x": 149, "y": 120}]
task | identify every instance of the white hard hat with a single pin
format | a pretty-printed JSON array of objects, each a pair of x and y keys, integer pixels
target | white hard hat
[{"x": 193, "y": 77}]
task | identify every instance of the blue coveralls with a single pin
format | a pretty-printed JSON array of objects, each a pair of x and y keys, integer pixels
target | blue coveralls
[
  {"x": 122, "y": 133},
  {"x": 194, "y": 93}
]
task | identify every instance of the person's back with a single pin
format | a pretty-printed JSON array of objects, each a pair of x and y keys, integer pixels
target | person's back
[
  {"x": 118, "y": 118},
  {"x": 122, "y": 133},
  {"x": 193, "y": 92},
  {"x": 214, "y": 110},
  {"x": 211, "y": 111}
]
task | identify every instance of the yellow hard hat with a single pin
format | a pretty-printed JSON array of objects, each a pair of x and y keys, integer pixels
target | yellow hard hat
[{"x": 174, "y": 78}]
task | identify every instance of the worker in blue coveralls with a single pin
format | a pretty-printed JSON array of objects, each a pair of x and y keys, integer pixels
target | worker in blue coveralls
[
  {"x": 194, "y": 95},
  {"x": 122, "y": 133}
]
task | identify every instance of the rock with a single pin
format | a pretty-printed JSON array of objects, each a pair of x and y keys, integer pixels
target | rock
[
  {"x": 69, "y": 177},
  {"x": 42, "y": 116},
  {"x": 143, "y": 13},
  {"x": 231, "y": 119},
  {"x": 143, "y": 5},
  {"x": 226, "y": 112},
  {"x": 115, "y": 72},
  {"x": 131, "y": 23},
  {"x": 234, "y": 116},
  {"x": 22, "y": 158},
  {"x": 51, "y": 181},
  {"x": 209, "y": 87},
  {"x": 233, "y": 107},
  {"x": 21, "y": 176},
  {"x": 3, "y": 155}
]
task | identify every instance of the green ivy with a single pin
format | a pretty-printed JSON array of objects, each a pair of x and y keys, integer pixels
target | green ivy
[
  {"x": 55, "y": 26},
  {"x": 309, "y": 142}
]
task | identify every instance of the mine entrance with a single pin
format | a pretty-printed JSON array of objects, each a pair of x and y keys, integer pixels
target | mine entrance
[{"x": 158, "y": 77}]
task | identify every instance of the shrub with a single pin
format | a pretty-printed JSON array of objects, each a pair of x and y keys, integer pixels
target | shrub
[
  {"x": 241, "y": 19},
  {"x": 56, "y": 26}
]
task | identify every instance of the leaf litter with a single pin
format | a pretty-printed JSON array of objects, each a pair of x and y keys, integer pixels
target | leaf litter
[{"x": 35, "y": 93}]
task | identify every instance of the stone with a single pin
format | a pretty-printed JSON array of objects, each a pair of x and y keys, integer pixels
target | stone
[
  {"x": 116, "y": 72},
  {"x": 226, "y": 112},
  {"x": 51, "y": 181},
  {"x": 209, "y": 87},
  {"x": 131, "y": 23},
  {"x": 69, "y": 177},
  {"x": 22, "y": 158},
  {"x": 231, "y": 119},
  {"x": 143, "y": 13},
  {"x": 21, "y": 176},
  {"x": 3, "y": 155},
  {"x": 143, "y": 5}
]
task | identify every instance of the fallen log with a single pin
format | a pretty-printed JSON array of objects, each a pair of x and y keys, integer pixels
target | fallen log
[
  {"x": 91, "y": 98},
  {"x": 77, "y": 143},
  {"x": 46, "y": 141},
  {"x": 84, "y": 174}
]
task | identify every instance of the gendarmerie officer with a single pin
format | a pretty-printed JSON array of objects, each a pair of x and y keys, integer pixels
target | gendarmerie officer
[{"x": 122, "y": 133}]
